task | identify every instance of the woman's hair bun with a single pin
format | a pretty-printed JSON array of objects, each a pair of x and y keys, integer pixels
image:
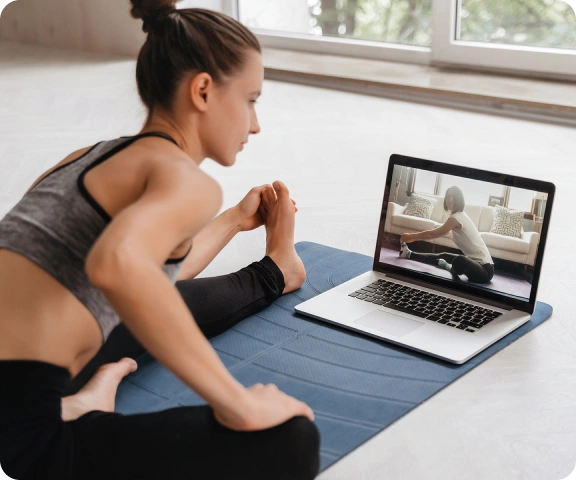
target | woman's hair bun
[{"x": 150, "y": 11}]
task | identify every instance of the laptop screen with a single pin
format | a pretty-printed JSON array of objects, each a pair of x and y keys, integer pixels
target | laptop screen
[{"x": 470, "y": 230}]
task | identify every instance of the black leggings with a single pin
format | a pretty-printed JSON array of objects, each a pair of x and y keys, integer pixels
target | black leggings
[
  {"x": 173, "y": 444},
  {"x": 461, "y": 265}
]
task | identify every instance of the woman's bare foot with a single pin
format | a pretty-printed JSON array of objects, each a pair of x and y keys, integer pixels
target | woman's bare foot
[
  {"x": 279, "y": 214},
  {"x": 100, "y": 391}
]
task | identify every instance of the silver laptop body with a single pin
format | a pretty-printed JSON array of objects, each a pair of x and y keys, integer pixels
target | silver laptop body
[{"x": 456, "y": 335}]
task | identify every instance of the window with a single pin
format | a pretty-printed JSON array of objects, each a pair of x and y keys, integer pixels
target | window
[
  {"x": 526, "y": 35},
  {"x": 521, "y": 199},
  {"x": 548, "y": 24},
  {"x": 401, "y": 22},
  {"x": 425, "y": 182},
  {"x": 475, "y": 191}
]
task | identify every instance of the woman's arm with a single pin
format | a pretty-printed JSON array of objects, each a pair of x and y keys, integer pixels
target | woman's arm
[
  {"x": 442, "y": 230},
  {"x": 210, "y": 241},
  {"x": 125, "y": 264}
]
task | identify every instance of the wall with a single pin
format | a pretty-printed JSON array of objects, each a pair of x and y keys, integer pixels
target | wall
[{"x": 101, "y": 26}]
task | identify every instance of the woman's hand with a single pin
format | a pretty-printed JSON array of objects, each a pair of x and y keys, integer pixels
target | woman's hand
[
  {"x": 407, "y": 237},
  {"x": 265, "y": 407},
  {"x": 250, "y": 211}
]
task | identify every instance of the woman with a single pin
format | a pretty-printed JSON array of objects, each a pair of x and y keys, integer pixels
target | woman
[
  {"x": 476, "y": 263},
  {"x": 103, "y": 236}
]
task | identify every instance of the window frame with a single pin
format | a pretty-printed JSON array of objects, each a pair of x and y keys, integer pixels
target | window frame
[
  {"x": 445, "y": 50},
  {"x": 391, "y": 52}
]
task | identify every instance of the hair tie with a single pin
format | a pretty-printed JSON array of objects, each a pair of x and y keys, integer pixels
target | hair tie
[{"x": 151, "y": 22}]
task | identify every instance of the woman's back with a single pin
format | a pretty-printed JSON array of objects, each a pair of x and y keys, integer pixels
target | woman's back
[
  {"x": 468, "y": 239},
  {"x": 53, "y": 314}
]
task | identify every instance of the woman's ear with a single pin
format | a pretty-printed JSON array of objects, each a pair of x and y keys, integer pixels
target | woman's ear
[{"x": 201, "y": 86}]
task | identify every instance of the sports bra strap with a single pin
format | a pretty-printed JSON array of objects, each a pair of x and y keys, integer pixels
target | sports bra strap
[{"x": 156, "y": 134}]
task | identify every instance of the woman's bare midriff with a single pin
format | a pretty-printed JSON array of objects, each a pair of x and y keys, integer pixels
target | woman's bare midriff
[{"x": 40, "y": 319}]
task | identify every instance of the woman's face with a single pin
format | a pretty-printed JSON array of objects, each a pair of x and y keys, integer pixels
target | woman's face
[{"x": 231, "y": 117}]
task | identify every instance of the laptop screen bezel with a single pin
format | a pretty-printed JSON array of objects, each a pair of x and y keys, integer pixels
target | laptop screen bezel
[{"x": 475, "y": 174}]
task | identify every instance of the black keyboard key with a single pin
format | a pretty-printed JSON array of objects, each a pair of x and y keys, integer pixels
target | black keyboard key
[
  {"x": 405, "y": 310},
  {"x": 369, "y": 289},
  {"x": 470, "y": 324},
  {"x": 470, "y": 330},
  {"x": 461, "y": 327},
  {"x": 450, "y": 324}
]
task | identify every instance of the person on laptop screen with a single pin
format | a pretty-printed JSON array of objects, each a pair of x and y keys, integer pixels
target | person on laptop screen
[{"x": 476, "y": 262}]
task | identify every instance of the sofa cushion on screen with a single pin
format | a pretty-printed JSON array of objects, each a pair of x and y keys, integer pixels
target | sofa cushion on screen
[
  {"x": 507, "y": 222},
  {"x": 420, "y": 206},
  {"x": 474, "y": 212},
  {"x": 411, "y": 223},
  {"x": 513, "y": 244}
]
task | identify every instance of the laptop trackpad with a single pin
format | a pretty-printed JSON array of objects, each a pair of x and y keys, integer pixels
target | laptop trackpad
[{"x": 389, "y": 323}]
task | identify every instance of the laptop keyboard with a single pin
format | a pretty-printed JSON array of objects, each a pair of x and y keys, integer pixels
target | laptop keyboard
[{"x": 450, "y": 312}]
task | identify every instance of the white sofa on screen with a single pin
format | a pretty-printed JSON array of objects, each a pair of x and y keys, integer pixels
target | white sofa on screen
[{"x": 521, "y": 250}]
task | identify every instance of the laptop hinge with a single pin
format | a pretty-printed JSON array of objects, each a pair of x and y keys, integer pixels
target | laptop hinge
[{"x": 450, "y": 291}]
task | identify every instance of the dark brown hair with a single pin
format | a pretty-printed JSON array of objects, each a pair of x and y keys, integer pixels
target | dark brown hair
[
  {"x": 457, "y": 199},
  {"x": 183, "y": 41}
]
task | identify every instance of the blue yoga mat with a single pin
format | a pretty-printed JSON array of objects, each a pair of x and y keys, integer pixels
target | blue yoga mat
[{"x": 356, "y": 385}]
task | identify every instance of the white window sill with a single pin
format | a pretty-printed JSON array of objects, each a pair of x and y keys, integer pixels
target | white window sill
[{"x": 532, "y": 99}]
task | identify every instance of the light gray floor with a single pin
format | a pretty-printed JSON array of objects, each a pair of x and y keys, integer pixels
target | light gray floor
[{"x": 513, "y": 417}]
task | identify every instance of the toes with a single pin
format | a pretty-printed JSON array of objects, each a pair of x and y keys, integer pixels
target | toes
[
  {"x": 130, "y": 362},
  {"x": 280, "y": 188},
  {"x": 264, "y": 199},
  {"x": 269, "y": 198},
  {"x": 119, "y": 369}
]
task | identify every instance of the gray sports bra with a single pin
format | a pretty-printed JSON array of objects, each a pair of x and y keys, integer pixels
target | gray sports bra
[{"x": 58, "y": 221}]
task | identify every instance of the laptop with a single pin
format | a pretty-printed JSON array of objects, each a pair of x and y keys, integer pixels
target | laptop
[{"x": 418, "y": 304}]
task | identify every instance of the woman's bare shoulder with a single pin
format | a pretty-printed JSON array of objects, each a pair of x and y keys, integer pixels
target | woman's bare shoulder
[
  {"x": 185, "y": 194},
  {"x": 186, "y": 176}
]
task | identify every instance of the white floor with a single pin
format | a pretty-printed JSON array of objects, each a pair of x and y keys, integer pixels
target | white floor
[{"x": 513, "y": 417}]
